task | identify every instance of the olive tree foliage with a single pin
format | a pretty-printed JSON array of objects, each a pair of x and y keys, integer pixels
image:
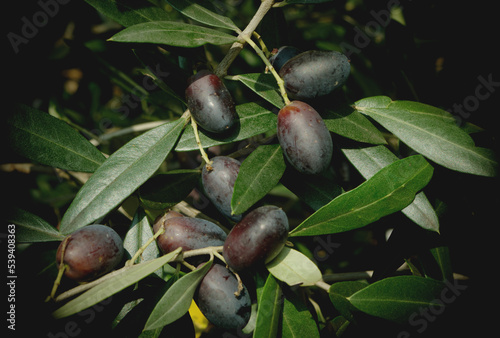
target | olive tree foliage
[{"x": 133, "y": 172}]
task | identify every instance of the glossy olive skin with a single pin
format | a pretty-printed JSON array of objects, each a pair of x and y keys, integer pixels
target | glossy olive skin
[
  {"x": 314, "y": 74},
  {"x": 257, "y": 238},
  {"x": 216, "y": 300},
  {"x": 160, "y": 220},
  {"x": 90, "y": 252},
  {"x": 189, "y": 233},
  {"x": 304, "y": 138},
  {"x": 283, "y": 54},
  {"x": 218, "y": 183},
  {"x": 210, "y": 103}
]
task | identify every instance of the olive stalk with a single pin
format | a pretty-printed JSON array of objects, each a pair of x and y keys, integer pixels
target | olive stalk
[{"x": 279, "y": 80}]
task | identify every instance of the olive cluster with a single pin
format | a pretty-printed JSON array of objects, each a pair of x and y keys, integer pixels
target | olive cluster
[{"x": 261, "y": 234}]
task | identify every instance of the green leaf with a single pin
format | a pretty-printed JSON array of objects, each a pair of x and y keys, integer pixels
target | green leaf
[
  {"x": 352, "y": 124},
  {"x": 370, "y": 160},
  {"x": 173, "y": 34},
  {"x": 253, "y": 120},
  {"x": 122, "y": 279},
  {"x": 398, "y": 298},
  {"x": 259, "y": 173},
  {"x": 167, "y": 189},
  {"x": 442, "y": 256},
  {"x": 31, "y": 228},
  {"x": 431, "y": 132},
  {"x": 120, "y": 175},
  {"x": 139, "y": 233},
  {"x": 264, "y": 85},
  {"x": 129, "y": 12},
  {"x": 269, "y": 308},
  {"x": 297, "y": 320},
  {"x": 389, "y": 190},
  {"x": 50, "y": 141},
  {"x": 176, "y": 301},
  {"x": 294, "y": 268},
  {"x": 339, "y": 292},
  {"x": 196, "y": 11}
]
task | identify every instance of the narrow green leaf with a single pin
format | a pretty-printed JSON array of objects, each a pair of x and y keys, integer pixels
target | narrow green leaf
[
  {"x": 431, "y": 132},
  {"x": 352, "y": 124},
  {"x": 398, "y": 298},
  {"x": 259, "y": 173},
  {"x": 50, "y": 141},
  {"x": 30, "y": 228},
  {"x": 294, "y": 268},
  {"x": 120, "y": 175},
  {"x": 124, "y": 278},
  {"x": 264, "y": 85},
  {"x": 297, "y": 320},
  {"x": 253, "y": 120},
  {"x": 370, "y": 160},
  {"x": 167, "y": 189},
  {"x": 339, "y": 292},
  {"x": 442, "y": 256},
  {"x": 173, "y": 34},
  {"x": 269, "y": 308},
  {"x": 139, "y": 233},
  {"x": 195, "y": 11},
  {"x": 389, "y": 190},
  {"x": 176, "y": 301},
  {"x": 129, "y": 12}
]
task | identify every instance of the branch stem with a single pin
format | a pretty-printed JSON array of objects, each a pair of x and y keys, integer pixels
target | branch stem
[
  {"x": 236, "y": 48},
  {"x": 200, "y": 147}
]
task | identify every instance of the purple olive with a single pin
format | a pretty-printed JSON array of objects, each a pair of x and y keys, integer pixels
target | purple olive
[
  {"x": 314, "y": 73},
  {"x": 210, "y": 103},
  {"x": 304, "y": 138},
  {"x": 216, "y": 299},
  {"x": 257, "y": 238},
  {"x": 90, "y": 252},
  {"x": 218, "y": 183},
  {"x": 189, "y": 233}
]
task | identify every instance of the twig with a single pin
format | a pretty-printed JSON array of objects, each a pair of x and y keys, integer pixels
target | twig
[
  {"x": 84, "y": 287},
  {"x": 200, "y": 147},
  {"x": 236, "y": 48},
  {"x": 139, "y": 252}
]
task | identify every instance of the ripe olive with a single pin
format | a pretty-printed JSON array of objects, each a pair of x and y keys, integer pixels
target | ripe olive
[
  {"x": 210, "y": 103},
  {"x": 216, "y": 299},
  {"x": 90, "y": 252},
  {"x": 304, "y": 138},
  {"x": 257, "y": 238},
  {"x": 218, "y": 183},
  {"x": 314, "y": 73}
]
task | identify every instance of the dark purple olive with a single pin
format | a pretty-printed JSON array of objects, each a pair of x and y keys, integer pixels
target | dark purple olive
[
  {"x": 304, "y": 138},
  {"x": 90, "y": 252},
  {"x": 218, "y": 183},
  {"x": 216, "y": 299},
  {"x": 283, "y": 54},
  {"x": 189, "y": 233},
  {"x": 257, "y": 238},
  {"x": 160, "y": 220},
  {"x": 314, "y": 73},
  {"x": 210, "y": 103}
]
